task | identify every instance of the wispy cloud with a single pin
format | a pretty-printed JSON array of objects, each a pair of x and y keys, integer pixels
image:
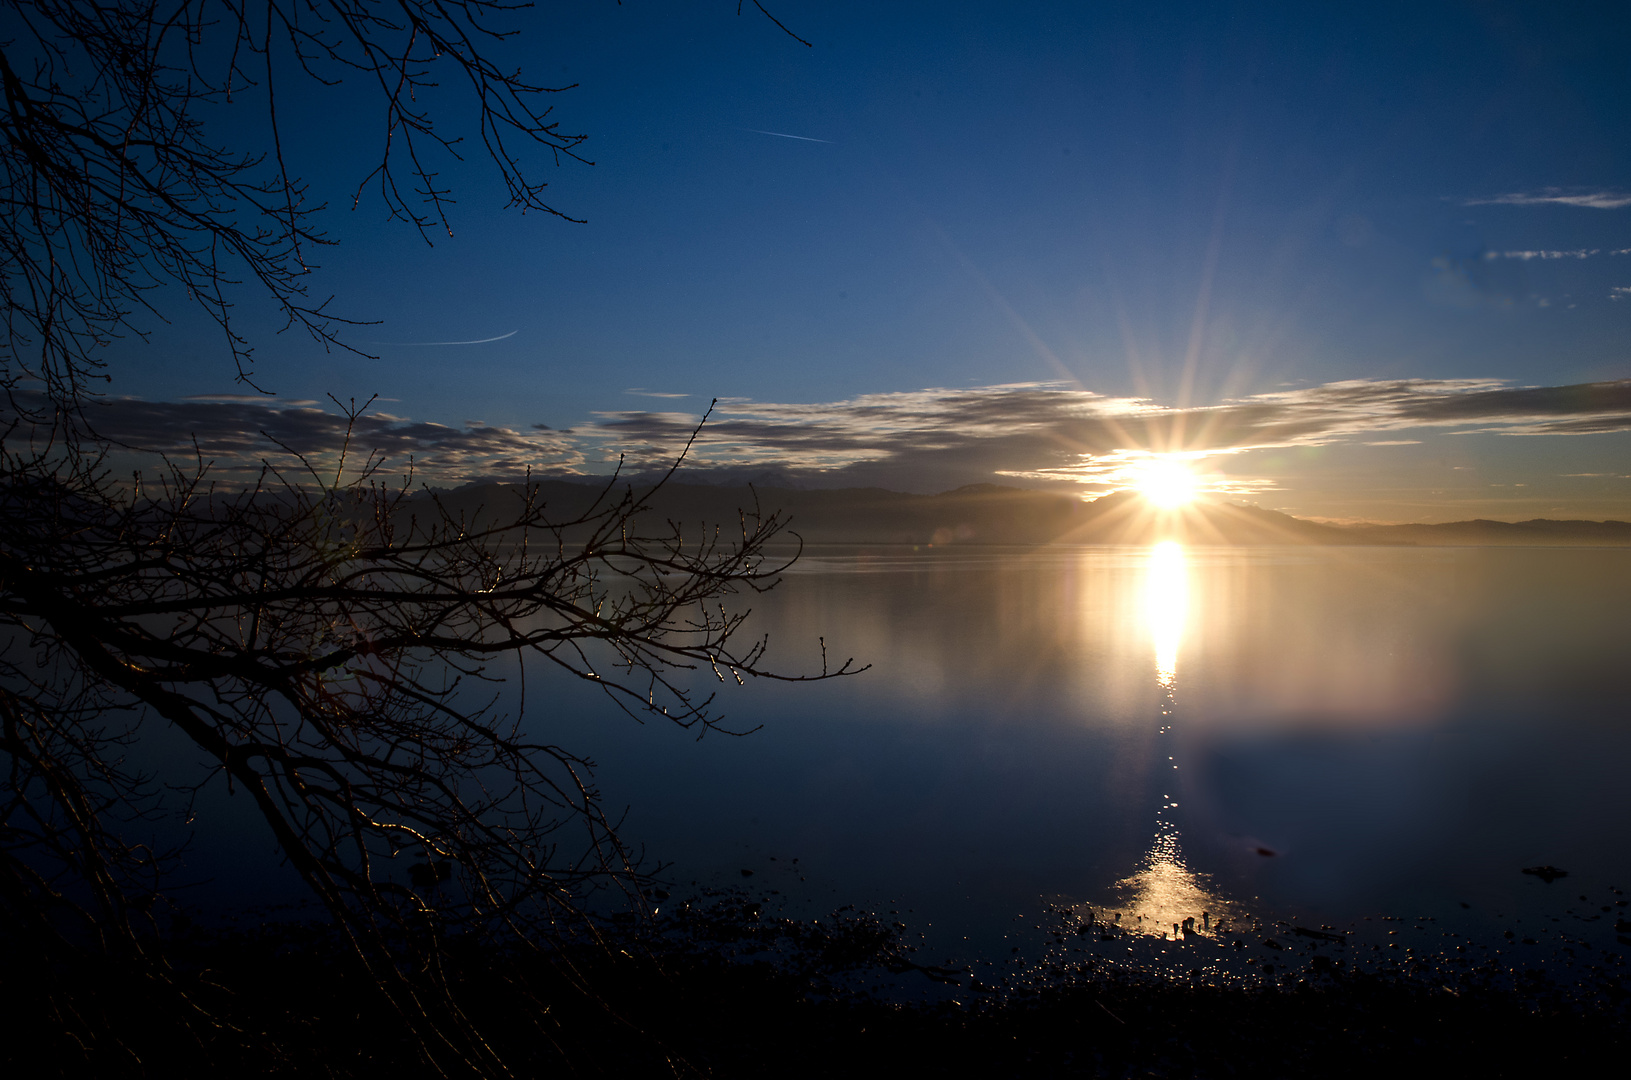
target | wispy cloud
[
  {"x": 268, "y": 400},
  {"x": 1574, "y": 253},
  {"x": 1599, "y": 199},
  {"x": 1578, "y": 253},
  {"x": 934, "y": 439},
  {"x": 416, "y": 344},
  {"x": 925, "y": 440},
  {"x": 638, "y": 392},
  {"x": 239, "y": 435},
  {"x": 784, "y": 135}
]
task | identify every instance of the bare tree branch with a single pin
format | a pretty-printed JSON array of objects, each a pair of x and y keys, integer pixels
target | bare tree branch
[{"x": 323, "y": 640}]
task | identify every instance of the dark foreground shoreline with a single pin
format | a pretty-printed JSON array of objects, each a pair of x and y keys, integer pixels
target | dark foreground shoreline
[{"x": 716, "y": 990}]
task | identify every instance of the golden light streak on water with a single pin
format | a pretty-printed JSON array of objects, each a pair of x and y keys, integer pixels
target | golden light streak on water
[
  {"x": 1165, "y": 892},
  {"x": 1164, "y": 895},
  {"x": 1166, "y": 606}
]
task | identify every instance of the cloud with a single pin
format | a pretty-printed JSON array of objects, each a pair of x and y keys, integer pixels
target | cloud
[
  {"x": 924, "y": 440},
  {"x": 927, "y": 439},
  {"x": 257, "y": 399},
  {"x": 638, "y": 392},
  {"x": 1489, "y": 406},
  {"x": 1601, "y": 199},
  {"x": 418, "y": 344},
  {"x": 238, "y": 435},
  {"x": 940, "y": 438},
  {"x": 784, "y": 135},
  {"x": 1619, "y": 292},
  {"x": 1579, "y": 253}
]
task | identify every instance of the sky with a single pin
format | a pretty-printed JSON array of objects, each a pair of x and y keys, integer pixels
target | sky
[{"x": 1367, "y": 261}]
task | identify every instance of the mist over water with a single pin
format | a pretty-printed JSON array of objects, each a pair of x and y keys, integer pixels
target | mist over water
[{"x": 1318, "y": 733}]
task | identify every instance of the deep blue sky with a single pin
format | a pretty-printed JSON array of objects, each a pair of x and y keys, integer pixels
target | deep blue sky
[{"x": 1188, "y": 203}]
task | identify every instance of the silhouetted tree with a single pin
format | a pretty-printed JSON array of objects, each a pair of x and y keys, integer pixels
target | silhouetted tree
[{"x": 322, "y": 638}]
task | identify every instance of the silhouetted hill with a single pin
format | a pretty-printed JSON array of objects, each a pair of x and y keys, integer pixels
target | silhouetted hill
[
  {"x": 984, "y": 513},
  {"x": 993, "y": 514},
  {"x": 1481, "y": 532}
]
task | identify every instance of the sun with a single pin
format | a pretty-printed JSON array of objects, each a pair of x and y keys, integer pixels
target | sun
[{"x": 1166, "y": 483}]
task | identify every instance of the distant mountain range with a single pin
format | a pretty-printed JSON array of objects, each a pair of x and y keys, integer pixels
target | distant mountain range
[{"x": 992, "y": 514}]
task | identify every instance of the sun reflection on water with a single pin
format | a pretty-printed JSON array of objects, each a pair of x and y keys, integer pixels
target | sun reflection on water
[
  {"x": 1166, "y": 896},
  {"x": 1164, "y": 893},
  {"x": 1166, "y": 606}
]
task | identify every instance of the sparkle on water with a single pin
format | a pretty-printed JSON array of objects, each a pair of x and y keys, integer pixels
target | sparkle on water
[{"x": 1164, "y": 892}]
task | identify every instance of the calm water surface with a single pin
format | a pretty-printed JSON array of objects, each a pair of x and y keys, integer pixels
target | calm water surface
[{"x": 1317, "y": 733}]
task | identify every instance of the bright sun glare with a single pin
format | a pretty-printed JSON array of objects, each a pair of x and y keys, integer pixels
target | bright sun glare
[{"x": 1166, "y": 483}]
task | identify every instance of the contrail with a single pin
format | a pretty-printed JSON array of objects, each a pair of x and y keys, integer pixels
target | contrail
[
  {"x": 478, "y": 341},
  {"x": 782, "y": 135}
]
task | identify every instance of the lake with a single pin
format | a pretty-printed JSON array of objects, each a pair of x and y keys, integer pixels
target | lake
[
  {"x": 1321, "y": 736},
  {"x": 1309, "y": 734}
]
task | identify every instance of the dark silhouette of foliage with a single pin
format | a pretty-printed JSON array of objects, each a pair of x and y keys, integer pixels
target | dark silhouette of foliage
[
  {"x": 324, "y": 640},
  {"x": 117, "y": 186}
]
